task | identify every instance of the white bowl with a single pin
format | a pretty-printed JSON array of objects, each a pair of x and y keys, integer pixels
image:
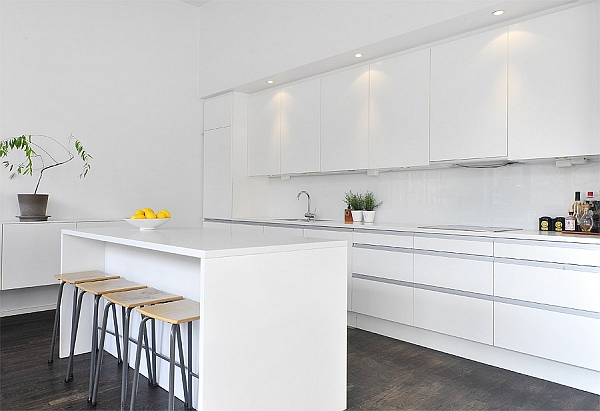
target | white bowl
[{"x": 147, "y": 224}]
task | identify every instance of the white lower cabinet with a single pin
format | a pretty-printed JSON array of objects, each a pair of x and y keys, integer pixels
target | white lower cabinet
[
  {"x": 392, "y": 302},
  {"x": 457, "y": 315},
  {"x": 383, "y": 263},
  {"x": 558, "y": 336}
]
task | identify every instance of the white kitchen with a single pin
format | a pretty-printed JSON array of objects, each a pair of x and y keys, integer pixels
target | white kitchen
[{"x": 472, "y": 123}]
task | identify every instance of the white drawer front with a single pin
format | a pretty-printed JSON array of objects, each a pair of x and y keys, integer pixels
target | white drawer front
[
  {"x": 455, "y": 315},
  {"x": 554, "y": 286},
  {"x": 581, "y": 254},
  {"x": 454, "y": 244},
  {"x": 476, "y": 276},
  {"x": 557, "y": 336},
  {"x": 381, "y": 263},
  {"x": 382, "y": 300},
  {"x": 390, "y": 240}
]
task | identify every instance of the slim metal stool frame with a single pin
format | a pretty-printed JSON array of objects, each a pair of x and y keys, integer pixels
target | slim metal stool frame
[
  {"x": 174, "y": 313},
  {"x": 72, "y": 278},
  {"x": 97, "y": 288},
  {"x": 128, "y": 300}
]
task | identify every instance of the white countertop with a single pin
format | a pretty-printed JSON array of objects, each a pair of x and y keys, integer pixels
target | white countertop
[
  {"x": 202, "y": 243},
  {"x": 513, "y": 234}
]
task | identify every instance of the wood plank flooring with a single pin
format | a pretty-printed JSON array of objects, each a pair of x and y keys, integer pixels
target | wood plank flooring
[{"x": 383, "y": 374}]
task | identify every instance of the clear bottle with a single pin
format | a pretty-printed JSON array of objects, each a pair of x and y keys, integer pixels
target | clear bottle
[
  {"x": 586, "y": 221},
  {"x": 570, "y": 221}
]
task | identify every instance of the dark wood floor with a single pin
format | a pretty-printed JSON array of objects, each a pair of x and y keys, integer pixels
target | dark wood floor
[{"x": 383, "y": 374}]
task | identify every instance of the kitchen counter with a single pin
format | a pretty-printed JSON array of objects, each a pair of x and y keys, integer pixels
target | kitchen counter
[
  {"x": 515, "y": 233},
  {"x": 272, "y": 309}
]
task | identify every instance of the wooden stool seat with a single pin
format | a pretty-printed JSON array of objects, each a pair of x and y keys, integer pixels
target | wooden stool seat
[
  {"x": 127, "y": 300},
  {"x": 176, "y": 312},
  {"x": 72, "y": 278},
  {"x": 84, "y": 277},
  {"x": 109, "y": 286}
]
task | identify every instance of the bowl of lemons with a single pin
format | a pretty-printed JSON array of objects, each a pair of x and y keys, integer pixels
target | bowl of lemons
[{"x": 147, "y": 219}]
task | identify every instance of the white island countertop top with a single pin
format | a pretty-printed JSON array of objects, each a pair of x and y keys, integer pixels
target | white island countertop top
[
  {"x": 509, "y": 233},
  {"x": 202, "y": 243}
]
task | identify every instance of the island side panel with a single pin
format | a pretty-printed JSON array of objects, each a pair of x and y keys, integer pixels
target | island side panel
[
  {"x": 78, "y": 254},
  {"x": 273, "y": 330}
]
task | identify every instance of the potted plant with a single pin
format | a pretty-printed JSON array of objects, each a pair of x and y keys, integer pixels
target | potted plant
[
  {"x": 370, "y": 206},
  {"x": 33, "y": 206},
  {"x": 356, "y": 204}
]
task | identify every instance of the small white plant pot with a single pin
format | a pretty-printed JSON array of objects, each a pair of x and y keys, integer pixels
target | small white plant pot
[
  {"x": 369, "y": 216},
  {"x": 357, "y": 216}
]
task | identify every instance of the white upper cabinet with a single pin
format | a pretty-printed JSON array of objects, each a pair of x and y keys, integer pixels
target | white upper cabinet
[
  {"x": 217, "y": 191},
  {"x": 469, "y": 98},
  {"x": 399, "y": 111},
  {"x": 345, "y": 120},
  {"x": 264, "y": 133},
  {"x": 217, "y": 111},
  {"x": 553, "y": 85},
  {"x": 300, "y": 127}
]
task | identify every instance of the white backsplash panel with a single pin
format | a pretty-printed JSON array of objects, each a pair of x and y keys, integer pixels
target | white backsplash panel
[{"x": 512, "y": 196}]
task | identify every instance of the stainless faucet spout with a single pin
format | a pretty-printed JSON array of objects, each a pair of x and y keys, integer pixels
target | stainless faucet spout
[{"x": 308, "y": 213}]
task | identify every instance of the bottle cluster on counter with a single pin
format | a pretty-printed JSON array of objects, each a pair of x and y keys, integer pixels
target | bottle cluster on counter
[{"x": 583, "y": 216}]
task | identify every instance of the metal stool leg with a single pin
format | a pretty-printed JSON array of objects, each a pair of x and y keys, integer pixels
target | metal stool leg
[
  {"x": 190, "y": 363},
  {"x": 154, "y": 378},
  {"x": 125, "y": 357},
  {"x": 117, "y": 342},
  {"x": 138, "y": 353},
  {"x": 74, "y": 326},
  {"x": 56, "y": 316},
  {"x": 94, "y": 350},
  {"x": 182, "y": 368},
  {"x": 148, "y": 360},
  {"x": 92, "y": 396},
  {"x": 172, "y": 368}
]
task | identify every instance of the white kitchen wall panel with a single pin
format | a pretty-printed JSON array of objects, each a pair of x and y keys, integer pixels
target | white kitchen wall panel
[
  {"x": 218, "y": 111},
  {"x": 264, "y": 133},
  {"x": 345, "y": 120},
  {"x": 456, "y": 315},
  {"x": 300, "y": 127},
  {"x": 468, "y": 98},
  {"x": 563, "y": 337},
  {"x": 553, "y": 74},
  {"x": 217, "y": 199},
  {"x": 399, "y": 111}
]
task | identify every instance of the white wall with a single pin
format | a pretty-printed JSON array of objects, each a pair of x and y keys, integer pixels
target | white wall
[
  {"x": 122, "y": 76},
  {"x": 243, "y": 41},
  {"x": 514, "y": 196}
]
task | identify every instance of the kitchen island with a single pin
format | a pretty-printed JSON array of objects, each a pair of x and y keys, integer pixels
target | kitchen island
[{"x": 272, "y": 328}]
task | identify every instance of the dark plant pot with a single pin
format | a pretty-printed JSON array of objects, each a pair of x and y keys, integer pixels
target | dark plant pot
[{"x": 33, "y": 207}]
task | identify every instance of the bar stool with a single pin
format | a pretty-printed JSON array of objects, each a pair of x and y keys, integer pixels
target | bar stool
[
  {"x": 127, "y": 300},
  {"x": 174, "y": 313},
  {"x": 98, "y": 289},
  {"x": 72, "y": 278}
]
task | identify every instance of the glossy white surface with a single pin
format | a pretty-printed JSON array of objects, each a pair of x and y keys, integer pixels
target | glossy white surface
[
  {"x": 202, "y": 243},
  {"x": 264, "y": 133},
  {"x": 217, "y": 197}
]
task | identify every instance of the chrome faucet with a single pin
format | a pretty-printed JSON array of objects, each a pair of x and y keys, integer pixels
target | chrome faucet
[{"x": 308, "y": 213}]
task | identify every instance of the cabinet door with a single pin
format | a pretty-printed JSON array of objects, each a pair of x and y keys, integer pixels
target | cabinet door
[
  {"x": 468, "y": 98},
  {"x": 31, "y": 254},
  {"x": 391, "y": 302},
  {"x": 553, "y": 85},
  {"x": 395, "y": 265},
  {"x": 455, "y": 315},
  {"x": 344, "y": 120},
  {"x": 301, "y": 128},
  {"x": 217, "y": 111},
  {"x": 557, "y": 336},
  {"x": 399, "y": 111},
  {"x": 217, "y": 196},
  {"x": 264, "y": 133}
]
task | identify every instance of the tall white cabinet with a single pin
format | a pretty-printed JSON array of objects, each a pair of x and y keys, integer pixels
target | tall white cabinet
[
  {"x": 399, "y": 111},
  {"x": 264, "y": 132},
  {"x": 553, "y": 85},
  {"x": 469, "y": 97},
  {"x": 345, "y": 120}
]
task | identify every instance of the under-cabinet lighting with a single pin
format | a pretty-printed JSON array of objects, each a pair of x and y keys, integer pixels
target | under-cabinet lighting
[
  {"x": 270, "y": 81},
  {"x": 358, "y": 55},
  {"x": 498, "y": 12}
]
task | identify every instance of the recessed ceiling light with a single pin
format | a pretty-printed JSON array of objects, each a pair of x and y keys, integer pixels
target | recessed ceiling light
[
  {"x": 358, "y": 55},
  {"x": 498, "y": 12},
  {"x": 270, "y": 81}
]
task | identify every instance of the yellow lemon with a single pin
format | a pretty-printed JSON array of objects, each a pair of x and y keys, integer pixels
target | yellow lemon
[
  {"x": 139, "y": 212},
  {"x": 166, "y": 213},
  {"x": 161, "y": 214},
  {"x": 138, "y": 216},
  {"x": 150, "y": 214}
]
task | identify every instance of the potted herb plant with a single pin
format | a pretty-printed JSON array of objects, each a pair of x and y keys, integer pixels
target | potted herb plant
[
  {"x": 33, "y": 206},
  {"x": 356, "y": 204},
  {"x": 370, "y": 206}
]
